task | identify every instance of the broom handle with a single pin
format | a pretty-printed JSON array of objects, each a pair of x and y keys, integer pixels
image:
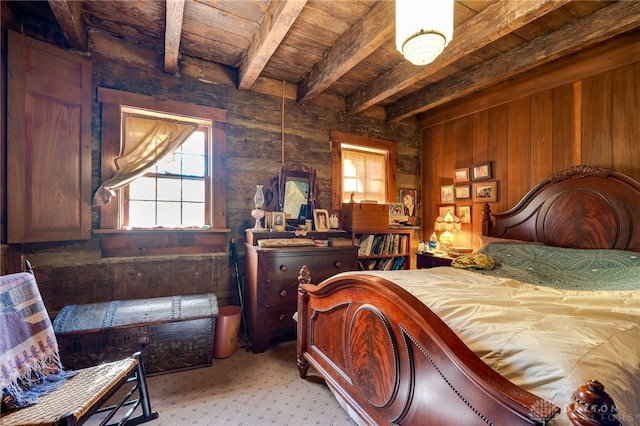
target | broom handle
[{"x": 234, "y": 261}]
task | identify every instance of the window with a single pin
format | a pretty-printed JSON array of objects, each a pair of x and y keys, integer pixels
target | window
[
  {"x": 362, "y": 167},
  {"x": 173, "y": 192},
  {"x": 364, "y": 173},
  {"x": 185, "y": 186}
]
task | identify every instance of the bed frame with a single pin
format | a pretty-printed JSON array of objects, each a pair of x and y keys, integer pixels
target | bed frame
[{"x": 390, "y": 359}]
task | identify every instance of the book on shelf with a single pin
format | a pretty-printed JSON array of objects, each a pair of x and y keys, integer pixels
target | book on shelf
[
  {"x": 396, "y": 243},
  {"x": 404, "y": 244},
  {"x": 366, "y": 244},
  {"x": 398, "y": 263},
  {"x": 377, "y": 244}
]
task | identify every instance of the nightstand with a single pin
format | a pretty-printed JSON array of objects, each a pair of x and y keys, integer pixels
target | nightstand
[{"x": 430, "y": 260}]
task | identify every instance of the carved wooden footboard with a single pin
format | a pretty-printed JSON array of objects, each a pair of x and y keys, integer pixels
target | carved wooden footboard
[{"x": 392, "y": 360}]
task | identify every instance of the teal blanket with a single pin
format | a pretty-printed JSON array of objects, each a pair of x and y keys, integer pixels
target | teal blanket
[{"x": 563, "y": 268}]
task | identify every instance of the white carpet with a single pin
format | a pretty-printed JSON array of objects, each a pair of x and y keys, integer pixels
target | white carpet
[{"x": 245, "y": 389}]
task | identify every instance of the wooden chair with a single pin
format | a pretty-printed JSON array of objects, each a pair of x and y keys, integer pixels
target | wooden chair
[{"x": 85, "y": 394}]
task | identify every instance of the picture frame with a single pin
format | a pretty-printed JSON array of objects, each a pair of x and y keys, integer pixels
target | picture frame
[
  {"x": 462, "y": 192},
  {"x": 481, "y": 171},
  {"x": 485, "y": 192},
  {"x": 464, "y": 213},
  {"x": 321, "y": 220},
  {"x": 396, "y": 213},
  {"x": 461, "y": 175},
  {"x": 268, "y": 220},
  {"x": 335, "y": 219},
  {"x": 410, "y": 201},
  {"x": 446, "y": 194},
  {"x": 278, "y": 221},
  {"x": 442, "y": 210}
]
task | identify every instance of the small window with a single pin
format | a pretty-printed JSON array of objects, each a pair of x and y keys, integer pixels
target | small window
[
  {"x": 185, "y": 147},
  {"x": 362, "y": 168},
  {"x": 172, "y": 193},
  {"x": 364, "y": 174}
]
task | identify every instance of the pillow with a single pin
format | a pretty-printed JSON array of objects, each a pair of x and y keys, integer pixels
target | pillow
[
  {"x": 473, "y": 261},
  {"x": 285, "y": 242},
  {"x": 484, "y": 240}
]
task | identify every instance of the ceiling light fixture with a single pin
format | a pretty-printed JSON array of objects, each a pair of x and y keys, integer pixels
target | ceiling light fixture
[{"x": 423, "y": 28}]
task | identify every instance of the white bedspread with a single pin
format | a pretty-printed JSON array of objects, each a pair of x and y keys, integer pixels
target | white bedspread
[{"x": 544, "y": 340}]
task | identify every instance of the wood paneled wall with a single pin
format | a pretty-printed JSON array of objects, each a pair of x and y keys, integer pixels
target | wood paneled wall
[{"x": 583, "y": 109}]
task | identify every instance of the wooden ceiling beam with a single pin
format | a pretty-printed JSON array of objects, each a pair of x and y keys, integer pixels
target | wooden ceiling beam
[
  {"x": 367, "y": 35},
  {"x": 492, "y": 23},
  {"x": 278, "y": 19},
  {"x": 605, "y": 24},
  {"x": 173, "y": 34},
  {"x": 68, "y": 13}
]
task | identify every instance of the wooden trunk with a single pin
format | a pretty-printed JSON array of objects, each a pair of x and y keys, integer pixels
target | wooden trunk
[
  {"x": 365, "y": 216},
  {"x": 173, "y": 333}
]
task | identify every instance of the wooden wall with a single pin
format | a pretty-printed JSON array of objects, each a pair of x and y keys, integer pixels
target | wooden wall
[
  {"x": 75, "y": 271},
  {"x": 583, "y": 109}
]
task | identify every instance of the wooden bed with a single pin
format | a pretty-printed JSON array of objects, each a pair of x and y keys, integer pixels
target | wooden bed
[{"x": 390, "y": 359}]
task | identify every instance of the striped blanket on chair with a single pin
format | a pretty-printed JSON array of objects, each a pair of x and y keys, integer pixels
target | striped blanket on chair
[{"x": 29, "y": 360}]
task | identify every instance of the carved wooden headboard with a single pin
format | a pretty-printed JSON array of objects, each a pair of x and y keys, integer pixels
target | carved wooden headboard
[{"x": 581, "y": 207}]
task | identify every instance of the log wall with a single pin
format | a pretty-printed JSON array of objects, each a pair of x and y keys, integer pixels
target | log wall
[{"x": 77, "y": 272}]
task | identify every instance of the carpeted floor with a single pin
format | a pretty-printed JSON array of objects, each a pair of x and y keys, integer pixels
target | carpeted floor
[{"x": 246, "y": 389}]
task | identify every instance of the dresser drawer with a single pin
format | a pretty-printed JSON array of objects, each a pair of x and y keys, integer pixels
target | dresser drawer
[
  {"x": 282, "y": 292},
  {"x": 280, "y": 319},
  {"x": 322, "y": 262},
  {"x": 282, "y": 270}
]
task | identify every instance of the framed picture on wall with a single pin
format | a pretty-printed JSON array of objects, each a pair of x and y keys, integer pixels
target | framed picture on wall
[
  {"x": 409, "y": 200},
  {"x": 461, "y": 175},
  {"x": 464, "y": 213},
  {"x": 446, "y": 194},
  {"x": 481, "y": 171},
  {"x": 442, "y": 210},
  {"x": 462, "y": 192},
  {"x": 485, "y": 192}
]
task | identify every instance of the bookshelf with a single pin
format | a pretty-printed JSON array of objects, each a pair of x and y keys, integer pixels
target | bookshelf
[{"x": 383, "y": 249}]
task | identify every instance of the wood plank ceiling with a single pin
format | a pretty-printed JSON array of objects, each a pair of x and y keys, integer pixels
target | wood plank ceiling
[{"x": 343, "y": 47}]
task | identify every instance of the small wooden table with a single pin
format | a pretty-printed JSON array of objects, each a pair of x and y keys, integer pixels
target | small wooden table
[{"x": 430, "y": 260}]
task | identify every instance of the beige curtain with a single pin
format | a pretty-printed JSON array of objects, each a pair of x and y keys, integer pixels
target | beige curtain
[
  {"x": 147, "y": 141},
  {"x": 365, "y": 174}
]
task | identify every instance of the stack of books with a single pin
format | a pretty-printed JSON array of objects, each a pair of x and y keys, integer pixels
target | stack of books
[{"x": 459, "y": 251}]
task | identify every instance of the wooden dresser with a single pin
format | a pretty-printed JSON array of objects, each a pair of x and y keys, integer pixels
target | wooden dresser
[{"x": 272, "y": 280}]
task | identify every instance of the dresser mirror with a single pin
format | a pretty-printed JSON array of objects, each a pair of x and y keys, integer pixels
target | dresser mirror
[{"x": 294, "y": 193}]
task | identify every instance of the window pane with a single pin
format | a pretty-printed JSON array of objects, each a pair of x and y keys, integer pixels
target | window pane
[
  {"x": 169, "y": 189},
  {"x": 193, "y": 190},
  {"x": 193, "y": 165},
  {"x": 193, "y": 214},
  {"x": 169, "y": 165},
  {"x": 195, "y": 144},
  {"x": 142, "y": 213},
  {"x": 143, "y": 188},
  {"x": 168, "y": 214}
]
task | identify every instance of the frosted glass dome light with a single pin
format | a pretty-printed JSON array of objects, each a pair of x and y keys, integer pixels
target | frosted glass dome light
[{"x": 423, "y": 28}]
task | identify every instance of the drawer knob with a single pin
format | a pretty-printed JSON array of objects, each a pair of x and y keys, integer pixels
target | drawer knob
[
  {"x": 282, "y": 317},
  {"x": 283, "y": 292},
  {"x": 338, "y": 264},
  {"x": 283, "y": 268}
]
